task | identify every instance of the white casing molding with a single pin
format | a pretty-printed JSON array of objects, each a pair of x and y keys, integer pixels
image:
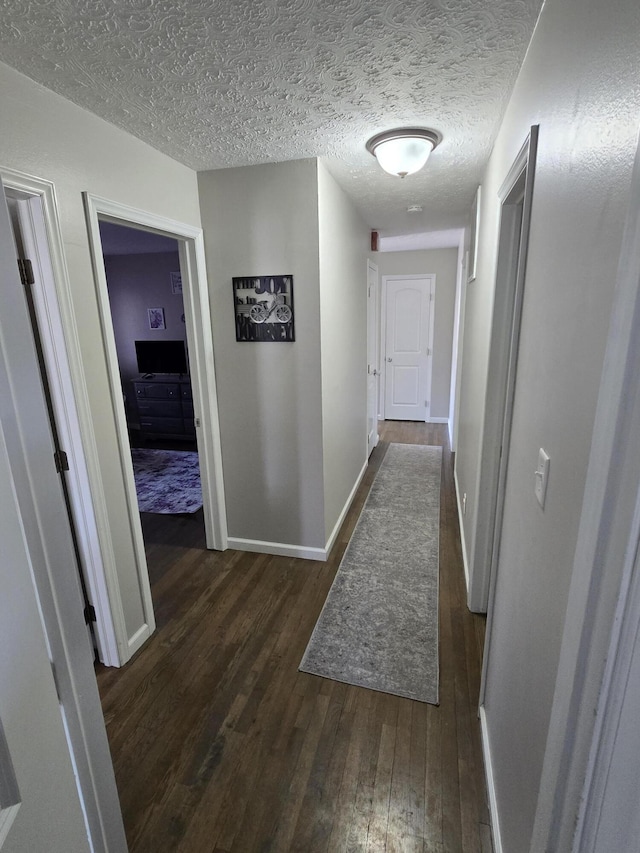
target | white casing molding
[
  {"x": 196, "y": 304},
  {"x": 39, "y": 216},
  {"x": 28, "y": 443},
  {"x": 491, "y": 791},
  {"x": 508, "y": 295},
  {"x": 463, "y": 544},
  {"x": 456, "y": 345}
]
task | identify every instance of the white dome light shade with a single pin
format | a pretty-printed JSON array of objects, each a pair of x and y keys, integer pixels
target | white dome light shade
[{"x": 405, "y": 151}]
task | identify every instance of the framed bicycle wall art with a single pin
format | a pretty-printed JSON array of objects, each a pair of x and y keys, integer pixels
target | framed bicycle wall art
[{"x": 264, "y": 308}]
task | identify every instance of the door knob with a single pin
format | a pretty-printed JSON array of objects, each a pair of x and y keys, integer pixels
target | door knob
[{"x": 389, "y": 359}]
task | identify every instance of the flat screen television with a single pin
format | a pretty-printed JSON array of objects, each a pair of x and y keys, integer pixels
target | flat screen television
[{"x": 161, "y": 356}]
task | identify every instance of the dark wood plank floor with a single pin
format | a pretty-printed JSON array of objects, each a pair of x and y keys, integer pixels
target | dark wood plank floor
[{"x": 221, "y": 745}]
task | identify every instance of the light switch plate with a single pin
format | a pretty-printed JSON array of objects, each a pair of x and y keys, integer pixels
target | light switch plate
[{"x": 542, "y": 476}]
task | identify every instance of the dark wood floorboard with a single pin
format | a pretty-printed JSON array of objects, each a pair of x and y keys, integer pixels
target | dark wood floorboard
[{"x": 220, "y": 745}]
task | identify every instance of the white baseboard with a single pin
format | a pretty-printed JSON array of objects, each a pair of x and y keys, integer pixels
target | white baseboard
[
  {"x": 278, "y": 549},
  {"x": 450, "y": 431},
  {"x": 345, "y": 509},
  {"x": 437, "y": 420},
  {"x": 303, "y": 552},
  {"x": 491, "y": 789},
  {"x": 463, "y": 543}
]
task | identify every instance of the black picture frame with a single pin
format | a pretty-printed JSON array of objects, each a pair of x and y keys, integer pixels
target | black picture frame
[{"x": 263, "y": 306}]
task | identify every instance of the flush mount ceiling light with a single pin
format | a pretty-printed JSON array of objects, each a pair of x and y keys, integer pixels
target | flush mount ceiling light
[{"x": 404, "y": 150}]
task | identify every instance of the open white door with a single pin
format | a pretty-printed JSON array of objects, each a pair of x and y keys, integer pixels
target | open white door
[
  {"x": 57, "y": 790},
  {"x": 408, "y": 346}
]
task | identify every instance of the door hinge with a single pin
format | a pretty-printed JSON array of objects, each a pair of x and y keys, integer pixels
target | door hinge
[
  {"x": 55, "y": 680},
  {"x": 426, "y": 403},
  {"x": 90, "y": 614},
  {"x": 25, "y": 268},
  {"x": 61, "y": 460}
]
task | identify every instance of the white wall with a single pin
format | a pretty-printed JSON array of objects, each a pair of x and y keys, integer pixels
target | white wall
[
  {"x": 47, "y": 136},
  {"x": 579, "y": 83},
  {"x": 343, "y": 246},
  {"x": 443, "y": 263},
  {"x": 263, "y": 220}
]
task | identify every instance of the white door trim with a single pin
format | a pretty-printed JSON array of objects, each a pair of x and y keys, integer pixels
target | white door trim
[
  {"x": 456, "y": 346},
  {"x": 39, "y": 216},
  {"x": 383, "y": 335},
  {"x": 56, "y": 583},
  {"x": 197, "y": 318},
  {"x": 373, "y": 351},
  {"x": 513, "y": 237}
]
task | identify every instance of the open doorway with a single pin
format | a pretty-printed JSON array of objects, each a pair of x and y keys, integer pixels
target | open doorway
[
  {"x": 147, "y": 310},
  {"x": 144, "y": 284},
  {"x": 201, "y": 377}
]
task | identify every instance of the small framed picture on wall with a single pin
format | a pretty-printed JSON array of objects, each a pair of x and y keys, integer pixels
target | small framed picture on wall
[
  {"x": 156, "y": 318},
  {"x": 176, "y": 283}
]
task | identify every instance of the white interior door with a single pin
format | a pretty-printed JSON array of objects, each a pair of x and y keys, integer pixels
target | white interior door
[
  {"x": 408, "y": 347},
  {"x": 372, "y": 357}
]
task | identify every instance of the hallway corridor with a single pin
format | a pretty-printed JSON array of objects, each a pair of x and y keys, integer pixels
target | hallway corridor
[{"x": 221, "y": 745}]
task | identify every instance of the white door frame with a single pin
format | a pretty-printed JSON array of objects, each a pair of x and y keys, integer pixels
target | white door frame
[
  {"x": 27, "y": 435},
  {"x": 501, "y": 383},
  {"x": 198, "y": 325},
  {"x": 383, "y": 337},
  {"x": 40, "y": 223},
  {"x": 373, "y": 351},
  {"x": 457, "y": 345}
]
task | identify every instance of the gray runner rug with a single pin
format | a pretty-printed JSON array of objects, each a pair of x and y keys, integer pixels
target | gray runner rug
[{"x": 379, "y": 625}]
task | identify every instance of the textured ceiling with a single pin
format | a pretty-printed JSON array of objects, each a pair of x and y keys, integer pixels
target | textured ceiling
[{"x": 238, "y": 82}]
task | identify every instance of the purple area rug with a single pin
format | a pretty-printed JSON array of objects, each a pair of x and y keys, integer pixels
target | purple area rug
[{"x": 167, "y": 481}]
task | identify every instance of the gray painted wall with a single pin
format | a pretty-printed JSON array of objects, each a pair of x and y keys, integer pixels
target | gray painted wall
[
  {"x": 263, "y": 220},
  {"x": 344, "y": 239},
  {"x": 579, "y": 83},
  {"x": 443, "y": 263}
]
